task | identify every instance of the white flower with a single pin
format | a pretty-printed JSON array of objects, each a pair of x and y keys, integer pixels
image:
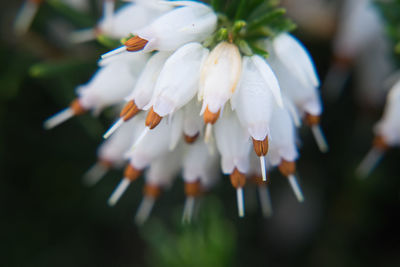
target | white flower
[
  {"x": 253, "y": 100},
  {"x": 154, "y": 145},
  {"x": 233, "y": 143},
  {"x": 296, "y": 73},
  {"x": 356, "y": 15},
  {"x": 199, "y": 164},
  {"x": 193, "y": 22},
  {"x": 178, "y": 79},
  {"x": 127, "y": 19},
  {"x": 219, "y": 77},
  {"x": 160, "y": 175},
  {"x": 109, "y": 86},
  {"x": 389, "y": 125},
  {"x": 145, "y": 85},
  {"x": 296, "y": 59},
  {"x": 283, "y": 138}
]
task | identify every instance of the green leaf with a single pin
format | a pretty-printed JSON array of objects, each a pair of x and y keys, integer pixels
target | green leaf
[
  {"x": 51, "y": 69},
  {"x": 267, "y": 18},
  {"x": 240, "y": 10}
]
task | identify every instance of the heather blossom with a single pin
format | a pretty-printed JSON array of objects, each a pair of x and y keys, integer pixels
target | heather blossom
[{"x": 199, "y": 97}]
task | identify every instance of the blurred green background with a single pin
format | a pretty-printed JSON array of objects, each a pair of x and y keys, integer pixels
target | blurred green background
[{"x": 49, "y": 218}]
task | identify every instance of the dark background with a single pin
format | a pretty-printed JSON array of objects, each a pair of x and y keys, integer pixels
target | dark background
[{"x": 49, "y": 218}]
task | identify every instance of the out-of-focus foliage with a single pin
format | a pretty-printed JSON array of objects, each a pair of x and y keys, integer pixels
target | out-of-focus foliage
[
  {"x": 390, "y": 10},
  {"x": 209, "y": 241}
]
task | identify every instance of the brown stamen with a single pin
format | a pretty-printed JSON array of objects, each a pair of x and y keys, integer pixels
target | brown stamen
[
  {"x": 238, "y": 179},
  {"x": 311, "y": 120},
  {"x": 258, "y": 180},
  {"x": 287, "y": 167},
  {"x": 380, "y": 143},
  {"x": 210, "y": 117},
  {"x": 129, "y": 111},
  {"x": 135, "y": 44},
  {"x": 193, "y": 189},
  {"x": 77, "y": 108},
  {"x": 261, "y": 147},
  {"x": 152, "y": 119},
  {"x": 191, "y": 139},
  {"x": 131, "y": 173},
  {"x": 150, "y": 190}
]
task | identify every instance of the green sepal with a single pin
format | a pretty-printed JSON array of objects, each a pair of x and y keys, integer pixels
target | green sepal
[{"x": 107, "y": 41}]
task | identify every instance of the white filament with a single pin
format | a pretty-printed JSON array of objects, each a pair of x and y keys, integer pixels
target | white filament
[
  {"x": 25, "y": 17},
  {"x": 265, "y": 200},
  {"x": 369, "y": 163},
  {"x": 263, "y": 168},
  {"x": 94, "y": 174},
  {"x": 58, "y": 118},
  {"x": 113, "y": 128},
  {"x": 144, "y": 210},
  {"x": 188, "y": 210},
  {"x": 208, "y": 133},
  {"x": 296, "y": 188},
  {"x": 320, "y": 138},
  {"x": 116, "y": 51},
  {"x": 240, "y": 201},
  {"x": 119, "y": 191}
]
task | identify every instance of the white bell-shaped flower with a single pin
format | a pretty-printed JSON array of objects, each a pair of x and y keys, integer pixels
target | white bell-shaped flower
[
  {"x": 219, "y": 77},
  {"x": 111, "y": 153},
  {"x": 178, "y": 81},
  {"x": 283, "y": 151},
  {"x": 295, "y": 59},
  {"x": 199, "y": 174},
  {"x": 389, "y": 125},
  {"x": 233, "y": 143},
  {"x": 154, "y": 145},
  {"x": 142, "y": 91},
  {"x": 160, "y": 175},
  {"x": 356, "y": 15},
  {"x": 191, "y": 22},
  {"x": 283, "y": 137},
  {"x": 198, "y": 163},
  {"x": 144, "y": 88},
  {"x": 253, "y": 100},
  {"x": 127, "y": 19},
  {"x": 109, "y": 86}
]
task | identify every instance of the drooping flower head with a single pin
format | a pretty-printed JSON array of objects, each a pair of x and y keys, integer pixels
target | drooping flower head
[{"x": 206, "y": 98}]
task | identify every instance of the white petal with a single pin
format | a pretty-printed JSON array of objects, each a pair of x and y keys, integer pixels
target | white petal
[
  {"x": 145, "y": 85},
  {"x": 220, "y": 75},
  {"x": 282, "y": 144},
  {"x": 253, "y": 100},
  {"x": 178, "y": 79},
  {"x": 233, "y": 143},
  {"x": 165, "y": 169},
  {"x": 178, "y": 27},
  {"x": 296, "y": 59}
]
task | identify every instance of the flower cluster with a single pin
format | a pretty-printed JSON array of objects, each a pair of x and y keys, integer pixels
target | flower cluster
[{"x": 204, "y": 88}]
